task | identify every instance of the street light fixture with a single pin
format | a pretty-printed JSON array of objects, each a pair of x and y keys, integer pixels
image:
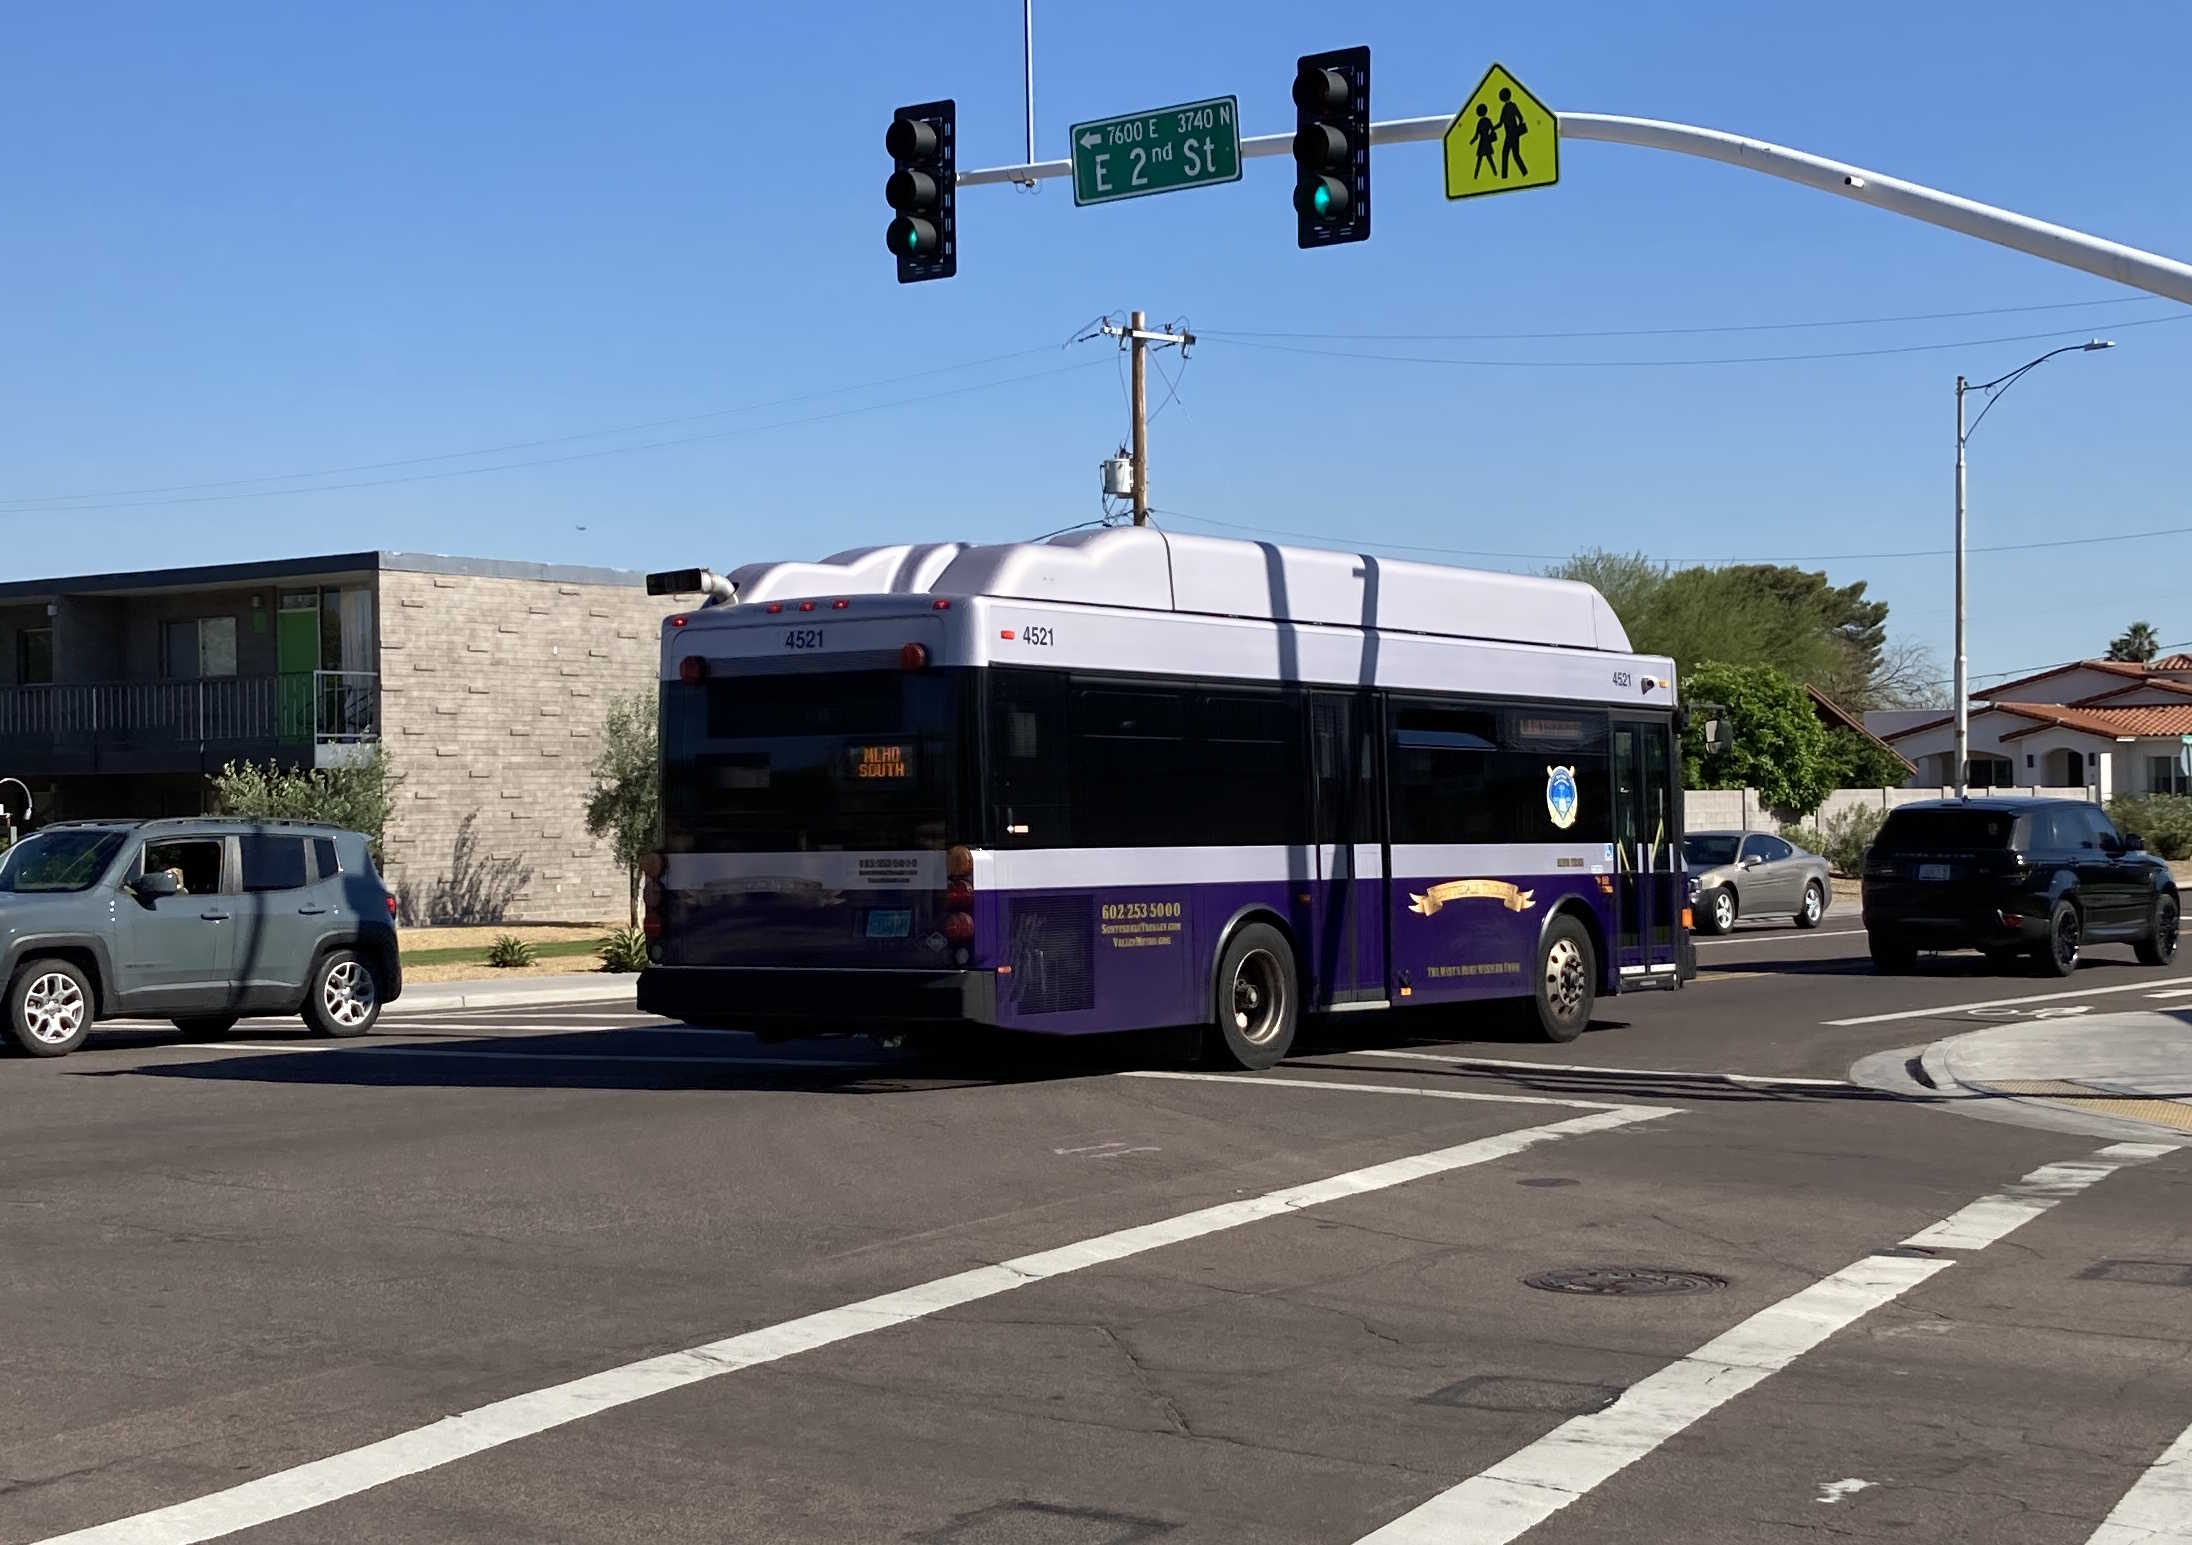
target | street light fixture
[{"x": 1994, "y": 389}]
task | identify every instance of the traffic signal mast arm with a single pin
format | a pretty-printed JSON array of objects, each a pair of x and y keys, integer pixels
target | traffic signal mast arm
[{"x": 2130, "y": 266}]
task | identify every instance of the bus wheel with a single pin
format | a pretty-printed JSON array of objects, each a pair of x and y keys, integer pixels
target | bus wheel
[
  {"x": 1258, "y": 1000},
  {"x": 1566, "y": 984}
]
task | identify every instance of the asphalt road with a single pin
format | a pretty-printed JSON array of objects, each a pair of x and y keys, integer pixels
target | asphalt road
[{"x": 570, "y": 1275}]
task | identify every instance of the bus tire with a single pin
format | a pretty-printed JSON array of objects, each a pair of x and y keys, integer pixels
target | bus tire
[
  {"x": 1565, "y": 986},
  {"x": 1257, "y": 1002}
]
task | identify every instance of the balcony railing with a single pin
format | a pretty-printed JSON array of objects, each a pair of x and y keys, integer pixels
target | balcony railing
[{"x": 300, "y": 708}]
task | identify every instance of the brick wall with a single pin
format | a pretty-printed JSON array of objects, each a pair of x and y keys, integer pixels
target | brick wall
[{"x": 492, "y": 698}]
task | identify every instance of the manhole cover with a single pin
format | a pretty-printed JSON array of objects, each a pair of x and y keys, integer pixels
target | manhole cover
[{"x": 1628, "y": 1281}]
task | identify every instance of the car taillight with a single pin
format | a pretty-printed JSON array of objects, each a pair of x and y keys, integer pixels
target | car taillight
[
  {"x": 390, "y": 899},
  {"x": 650, "y": 896}
]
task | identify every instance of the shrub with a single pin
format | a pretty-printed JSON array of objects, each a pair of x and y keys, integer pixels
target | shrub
[
  {"x": 2164, "y": 820},
  {"x": 356, "y": 797},
  {"x": 624, "y": 950},
  {"x": 1841, "y": 839},
  {"x": 509, "y": 950}
]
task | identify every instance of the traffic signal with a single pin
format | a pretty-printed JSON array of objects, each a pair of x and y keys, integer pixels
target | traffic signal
[
  {"x": 1332, "y": 147},
  {"x": 924, "y": 237}
]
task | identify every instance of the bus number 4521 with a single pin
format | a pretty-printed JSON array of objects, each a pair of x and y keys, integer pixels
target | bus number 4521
[{"x": 803, "y": 638}]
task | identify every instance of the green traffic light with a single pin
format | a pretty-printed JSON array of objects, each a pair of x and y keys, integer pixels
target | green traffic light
[
  {"x": 1322, "y": 199},
  {"x": 913, "y": 238}
]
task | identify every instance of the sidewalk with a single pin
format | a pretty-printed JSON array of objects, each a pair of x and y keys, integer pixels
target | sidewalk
[
  {"x": 2131, "y": 1071},
  {"x": 589, "y": 987}
]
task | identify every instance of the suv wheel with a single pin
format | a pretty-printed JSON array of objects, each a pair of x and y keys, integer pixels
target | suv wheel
[
  {"x": 345, "y": 997},
  {"x": 2058, "y": 956},
  {"x": 49, "y": 1008},
  {"x": 2159, "y": 947}
]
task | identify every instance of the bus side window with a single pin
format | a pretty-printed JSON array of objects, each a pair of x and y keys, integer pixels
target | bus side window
[{"x": 1027, "y": 739}]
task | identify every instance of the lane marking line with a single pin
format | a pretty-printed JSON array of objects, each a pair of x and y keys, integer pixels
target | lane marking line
[
  {"x": 319, "y": 1482},
  {"x": 455, "y": 1053},
  {"x": 1529, "y": 1486},
  {"x": 2157, "y": 1510},
  {"x": 1991, "y": 1217},
  {"x": 1267, "y": 1081},
  {"x": 2002, "y": 1003},
  {"x": 1799, "y": 936},
  {"x": 2174, "y": 992},
  {"x": 1751, "y": 1080}
]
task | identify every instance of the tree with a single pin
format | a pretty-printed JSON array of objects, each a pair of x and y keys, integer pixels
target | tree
[
  {"x": 1855, "y": 761},
  {"x": 2138, "y": 643},
  {"x": 1826, "y": 635},
  {"x": 1780, "y": 746},
  {"x": 626, "y": 802},
  {"x": 357, "y": 797}
]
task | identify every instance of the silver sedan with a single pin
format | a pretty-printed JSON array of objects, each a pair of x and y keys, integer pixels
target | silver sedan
[{"x": 1753, "y": 874}]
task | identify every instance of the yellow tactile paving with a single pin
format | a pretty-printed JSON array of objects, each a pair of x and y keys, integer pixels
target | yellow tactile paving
[{"x": 2176, "y": 1114}]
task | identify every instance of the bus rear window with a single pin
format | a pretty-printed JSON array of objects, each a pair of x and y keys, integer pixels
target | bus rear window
[{"x": 815, "y": 762}]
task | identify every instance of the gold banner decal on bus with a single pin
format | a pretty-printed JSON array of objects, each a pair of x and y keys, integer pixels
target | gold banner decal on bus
[{"x": 1511, "y": 897}]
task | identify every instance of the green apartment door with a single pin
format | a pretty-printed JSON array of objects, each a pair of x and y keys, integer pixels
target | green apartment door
[{"x": 296, "y": 657}]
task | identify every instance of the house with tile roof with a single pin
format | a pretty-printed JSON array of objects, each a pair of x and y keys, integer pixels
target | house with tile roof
[{"x": 2109, "y": 726}]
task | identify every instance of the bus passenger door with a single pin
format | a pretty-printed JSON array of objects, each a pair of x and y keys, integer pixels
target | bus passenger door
[
  {"x": 1648, "y": 884},
  {"x": 1347, "y": 920}
]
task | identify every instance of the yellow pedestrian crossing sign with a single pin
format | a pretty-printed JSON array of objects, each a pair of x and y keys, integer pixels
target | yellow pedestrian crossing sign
[{"x": 1502, "y": 139}]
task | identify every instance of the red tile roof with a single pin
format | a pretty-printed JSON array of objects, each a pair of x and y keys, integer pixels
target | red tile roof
[
  {"x": 2150, "y": 684},
  {"x": 2173, "y": 662},
  {"x": 2112, "y": 667},
  {"x": 2167, "y": 719}
]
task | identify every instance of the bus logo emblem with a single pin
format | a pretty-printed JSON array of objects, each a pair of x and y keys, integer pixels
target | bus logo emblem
[{"x": 1560, "y": 796}]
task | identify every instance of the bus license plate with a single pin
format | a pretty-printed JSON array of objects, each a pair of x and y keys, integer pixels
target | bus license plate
[
  {"x": 1936, "y": 871},
  {"x": 894, "y": 923}
]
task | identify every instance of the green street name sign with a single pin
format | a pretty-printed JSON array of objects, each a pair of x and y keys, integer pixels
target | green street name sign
[{"x": 1159, "y": 151}]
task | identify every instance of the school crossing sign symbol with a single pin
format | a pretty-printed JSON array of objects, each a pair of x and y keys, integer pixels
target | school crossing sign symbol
[{"x": 1502, "y": 139}]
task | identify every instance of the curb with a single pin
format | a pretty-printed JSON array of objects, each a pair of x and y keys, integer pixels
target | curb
[
  {"x": 436, "y": 996},
  {"x": 1938, "y": 1062}
]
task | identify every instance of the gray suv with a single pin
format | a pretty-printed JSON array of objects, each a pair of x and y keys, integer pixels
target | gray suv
[{"x": 201, "y": 921}]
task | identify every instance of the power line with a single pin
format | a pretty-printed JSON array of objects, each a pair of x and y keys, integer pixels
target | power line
[
  {"x": 614, "y": 450},
  {"x": 1691, "y": 332},
  {"x": 30, "y": 503},
  {"x": 1241, "y": 342},
  {"x": 1694, "y": 561}
]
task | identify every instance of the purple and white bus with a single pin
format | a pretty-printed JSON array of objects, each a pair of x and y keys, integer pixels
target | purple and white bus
[{"x": 1125, "y": 779}]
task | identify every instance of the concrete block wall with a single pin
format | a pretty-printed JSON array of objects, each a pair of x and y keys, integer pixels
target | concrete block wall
[
  {"x": 1741, "y": 809},
  {"x": 493, "y": 692}
]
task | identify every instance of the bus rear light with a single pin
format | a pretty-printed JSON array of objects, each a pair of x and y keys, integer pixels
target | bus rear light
[
  {"x": 678, "y": 622},
  {"x": 1687, "y": 925},
  {"x": 840, "y": 605},
  {"x": 773, "y": 607},
  {"x": 913, "y": 657},
  {"x": 959, "y": 927},
  {"x": 959, "y": 863},
  {"x": 652, "y": 864},
  {"x": 692, "y": 668},
  {"x": 959, "y": 896},
  {"x": 650, "y": 895},
  {"x": 651, "y": 926},
  {"x": 806, "y": 606},
  {"x": 943, "y": 603}
]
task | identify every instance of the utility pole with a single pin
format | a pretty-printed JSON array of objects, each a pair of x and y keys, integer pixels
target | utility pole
[
  {"x": 1137, "y": 337},
  {"x": 1141, "y": 424}
]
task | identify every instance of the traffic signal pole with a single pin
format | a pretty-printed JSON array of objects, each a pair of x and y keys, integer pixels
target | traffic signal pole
[{"x": 2141, "y": 270}]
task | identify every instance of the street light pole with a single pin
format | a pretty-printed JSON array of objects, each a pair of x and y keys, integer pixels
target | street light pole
[
  {"x": 1994, "y": 390},
  {"x": 1963, "y": 659}
]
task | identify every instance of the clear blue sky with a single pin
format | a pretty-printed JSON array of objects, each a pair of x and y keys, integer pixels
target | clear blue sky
[{"x": 247, "y": 239}]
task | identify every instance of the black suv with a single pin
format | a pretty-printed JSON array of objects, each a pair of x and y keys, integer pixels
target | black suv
[{"x": 2011, "y": 878}]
